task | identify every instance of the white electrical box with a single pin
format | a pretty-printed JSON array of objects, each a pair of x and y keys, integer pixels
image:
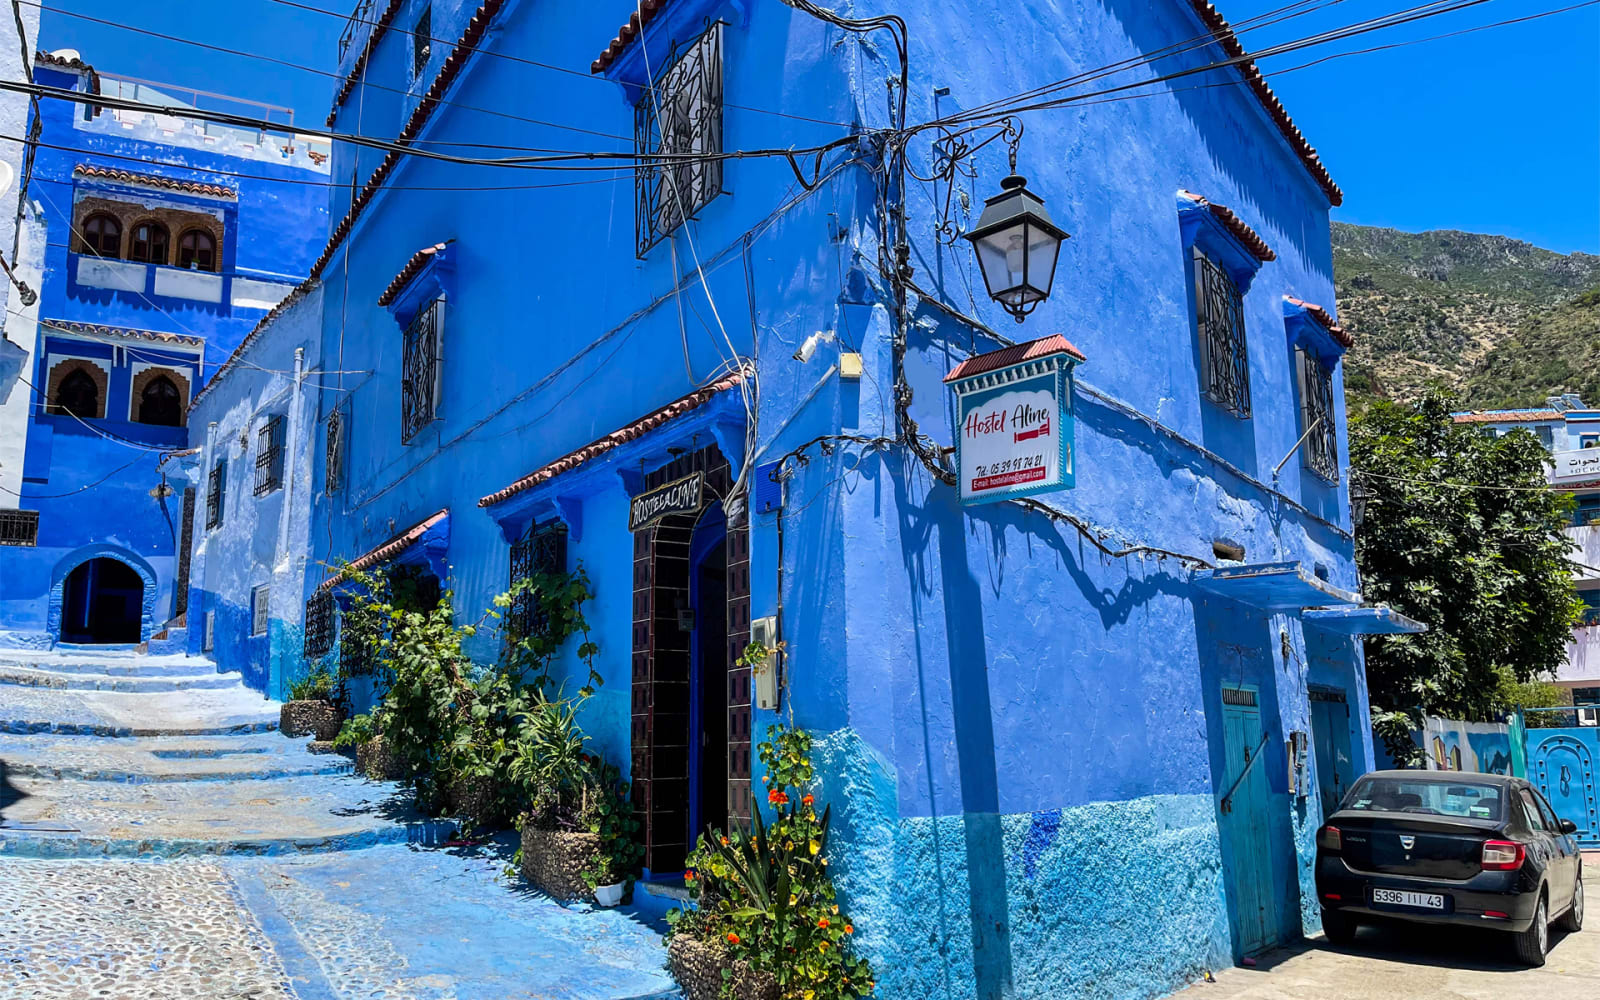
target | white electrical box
[{"x": 764, "y": 675}]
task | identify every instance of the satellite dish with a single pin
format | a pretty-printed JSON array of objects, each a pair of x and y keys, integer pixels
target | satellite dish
[
  {"x": 67, "y": 55},
  {"x": 8, "y": 176}
]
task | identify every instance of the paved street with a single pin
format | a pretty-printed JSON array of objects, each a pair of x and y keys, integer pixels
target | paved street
[{"x": 1401, "y": 963}]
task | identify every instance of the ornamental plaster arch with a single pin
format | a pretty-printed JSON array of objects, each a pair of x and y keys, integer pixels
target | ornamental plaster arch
[{"x": 77, "y": 557}]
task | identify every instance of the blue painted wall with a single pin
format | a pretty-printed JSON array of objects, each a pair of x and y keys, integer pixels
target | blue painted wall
[
  {"x": 1021, "y": 737},
  {"x": 91, "y": 480}
]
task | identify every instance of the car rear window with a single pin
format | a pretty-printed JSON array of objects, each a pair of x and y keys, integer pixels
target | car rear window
[{"x": 1464, "y": 799}]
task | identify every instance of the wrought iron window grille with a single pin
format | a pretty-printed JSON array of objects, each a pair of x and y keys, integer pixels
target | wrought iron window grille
[
  {"x": 269, "y": 456},
  {"x": 19, "y": 527},
  {"x": 319, "y": 624},
  {"x": 208, "y": 632},
  {"x": 185, "y": 548},
  {"x": 216, "y": 487},
  {"x": 333, "y": 457},
  {"x": 420, "y": 372},
  {"x": 677, "y": 124},
  {"x": 260, "y": 605},
  {"x": 358, "y": 646},
  {"x": 1321, "y": 451},
  {"x": 542, "y": 550},
  {"x": 421, "y": 43},
  {"x": 1224, "y": 359}
]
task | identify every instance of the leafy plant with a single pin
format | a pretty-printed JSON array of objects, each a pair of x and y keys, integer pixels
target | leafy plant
[
  {"x": 550, "y": 762},
  {"x": 548, "y": 612},
  {"x": 608, "y": 813},
  {"x": 315, "y": 686},
  {"x": 356, "y": 731},
  {"x": 767, "y": 893}
]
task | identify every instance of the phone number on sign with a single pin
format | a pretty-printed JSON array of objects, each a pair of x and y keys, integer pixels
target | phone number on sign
[{"x": 1011, "y": 472}]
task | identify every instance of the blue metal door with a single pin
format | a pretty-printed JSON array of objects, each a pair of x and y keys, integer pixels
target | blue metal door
[
  {"x": 1561, "y": 765},
  {"x": 1245, "y": 819},
  {"x": 1330, "y": 738}
]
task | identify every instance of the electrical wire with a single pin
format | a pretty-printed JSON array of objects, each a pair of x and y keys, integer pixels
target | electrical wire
[{"x": 72, "y": 493}]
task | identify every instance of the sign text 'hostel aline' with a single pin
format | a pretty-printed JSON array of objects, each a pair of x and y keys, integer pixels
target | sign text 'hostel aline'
[{"x": 1015, "y": 411}]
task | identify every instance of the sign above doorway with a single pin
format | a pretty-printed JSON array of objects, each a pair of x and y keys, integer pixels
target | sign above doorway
[{"x": 681, "y": 496}]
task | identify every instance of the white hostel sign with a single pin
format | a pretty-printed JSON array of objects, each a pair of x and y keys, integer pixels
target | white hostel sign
[{"x": 1015, "y": 434}]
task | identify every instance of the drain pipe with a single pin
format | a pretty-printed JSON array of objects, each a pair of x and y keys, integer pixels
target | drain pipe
[{"x": 292, "y": 455}]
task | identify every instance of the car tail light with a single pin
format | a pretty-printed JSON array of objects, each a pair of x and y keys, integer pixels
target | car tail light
[
  {"x": 1503, "y": 855},
  {"x": 1333, "y": 896},
  {"x": 1496, "y": 915},
  {"x": 1328, "y": 838}
]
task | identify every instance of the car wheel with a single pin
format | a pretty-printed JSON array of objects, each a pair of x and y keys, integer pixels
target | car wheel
[
  {"x": 1534, "y": 943},
  {"x": 1340, "y": 928},
  {"x": 1573, "y": 919}
]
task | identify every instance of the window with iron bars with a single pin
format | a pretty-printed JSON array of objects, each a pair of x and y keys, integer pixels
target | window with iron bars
[
  {"x": 319, "y": 624},
  {"x": 333, "y": 459},
  {"x": 358, "y": 645},
  {"x": 216, "y": 487},
  {"x": 677, "y": 124},
  {"x": 420, "y": 372},
  {"x": 541, "y": 550},
  {"x": 1224, "y": 359},
  {"x": 1320, "y": 453},
  {"x": 421, "y": 43},
  {"x": 260, "y": 604},
  {"x": 208, "y": 632},
  {"x": 19, "y": 527},
  {"x": 269, "y": 456}
]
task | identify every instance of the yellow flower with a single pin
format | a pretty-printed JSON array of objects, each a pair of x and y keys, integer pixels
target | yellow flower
[
  {"x": 793, "y": 899},
  {"x": 815, "y": 846}
]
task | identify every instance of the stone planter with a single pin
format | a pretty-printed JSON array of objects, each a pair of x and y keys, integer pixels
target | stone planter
[
  {"x": 306, "y": 718},
  {"x": 697, "y": 966},
  {"x": 554, "y": 861},
  {"x": 378, "y": 762},
  {"x": 473, "y": 799}
]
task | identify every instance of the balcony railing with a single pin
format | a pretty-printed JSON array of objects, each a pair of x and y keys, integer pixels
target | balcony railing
[
  {"x": 356, "y": 27},
  {"x": 219, "y": 288}
]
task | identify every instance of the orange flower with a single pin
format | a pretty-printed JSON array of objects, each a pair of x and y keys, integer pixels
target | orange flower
[
  {"x": 733, "y": 938},
  {"x": 823, "y": 922},
  {"x": 809, "y": 799},
  {"x": 849, "y": 929},
  {"x": 777, "y": 797},
  {"x": 724, "y": 841},
  {"x": 688, "y": 876}
]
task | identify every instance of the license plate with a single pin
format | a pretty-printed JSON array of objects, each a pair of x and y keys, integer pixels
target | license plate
[{"x": 1400, "y": 897}]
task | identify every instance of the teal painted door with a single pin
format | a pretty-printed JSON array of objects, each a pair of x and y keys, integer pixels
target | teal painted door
[
  {"x": 1245, "y": 816},
  {"x": 1330, "y": 740},
  {"x": 1561, "y": 766}
]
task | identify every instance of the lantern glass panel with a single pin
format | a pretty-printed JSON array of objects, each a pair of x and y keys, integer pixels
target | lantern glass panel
[
  {"x": 1002, "y": 255},
  {"x": 1043, "y": 248}
]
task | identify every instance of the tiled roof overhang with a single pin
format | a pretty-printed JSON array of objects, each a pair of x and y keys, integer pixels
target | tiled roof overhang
[
  {"x": 379, "y": 28},
  {"x": 388, "y": 550},
  {"x": 300, "y": 291},
  {"x": 616, "y": 438},
  {"x": 1506, "y": 416},
  {"x": 1016, "y": 354},
  {"x": 448, "y": 72},
  {"x": 645, "y": 11},
  {"x": 1247, "y": 237},
  {"x": 151, "y": 180},
  {"x": 91, "y": 329},
  {"x": 416, "y": 263},
  {"x": 1325, "y": 320},
  {"x": 1225, "y": 36}
]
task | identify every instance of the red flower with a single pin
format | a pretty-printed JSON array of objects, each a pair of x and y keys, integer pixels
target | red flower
[
  {"x": 823, "y": 922},
  {"x": 777, "y": 797},
  {"x": 688, "y": 876},
  {"x": 808, "y": 799},
  {"x": 733, "y": 938}
]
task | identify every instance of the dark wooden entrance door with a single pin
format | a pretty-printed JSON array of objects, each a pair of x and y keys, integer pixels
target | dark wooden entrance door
[{"x": 101, "y": 602}]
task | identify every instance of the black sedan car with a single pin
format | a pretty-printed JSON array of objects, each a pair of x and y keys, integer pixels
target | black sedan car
[{"x": 1444, "y": 847}]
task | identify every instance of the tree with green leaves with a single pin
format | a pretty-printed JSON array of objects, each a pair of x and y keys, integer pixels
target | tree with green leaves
[{"x": 1462, "y": 533}]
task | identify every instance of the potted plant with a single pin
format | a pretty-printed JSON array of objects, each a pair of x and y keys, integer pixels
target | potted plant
[
  {"x": 311, "y": 709},
  {"x": 363, "y": 734},
  {"x": 764, "y": 920},
  {"x": 608, "y": 814},
  {"x": 552, "y": 768}
]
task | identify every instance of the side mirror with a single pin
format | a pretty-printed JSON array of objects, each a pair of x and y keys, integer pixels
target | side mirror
[{"x": 1567, "y": 826}]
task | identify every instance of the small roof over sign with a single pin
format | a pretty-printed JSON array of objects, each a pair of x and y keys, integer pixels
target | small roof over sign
[
  {"x": 1371, "y": 619},
  {"x": 1016, "y": 354},
  {"x": 1284, "y": 586}
]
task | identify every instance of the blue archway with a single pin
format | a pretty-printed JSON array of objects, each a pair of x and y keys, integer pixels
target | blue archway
[{"x": 78, "y": 557}]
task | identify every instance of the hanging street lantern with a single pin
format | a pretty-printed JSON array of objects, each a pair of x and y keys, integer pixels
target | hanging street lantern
[
  {"x": 1358, "y": 502},
  {"x": 1016, "y": 244}
]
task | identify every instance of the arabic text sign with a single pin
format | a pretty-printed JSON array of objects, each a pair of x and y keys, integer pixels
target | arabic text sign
[
  {"x": 1015, "y": 439},
  {"x": 1576, "y": 466},
  {"x": 681, "y": 496}
]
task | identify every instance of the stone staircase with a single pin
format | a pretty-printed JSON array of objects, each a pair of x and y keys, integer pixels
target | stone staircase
[{"x": 116, "y": 753}]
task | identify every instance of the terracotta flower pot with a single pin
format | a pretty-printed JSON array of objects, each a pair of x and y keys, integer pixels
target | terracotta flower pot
[
  {"x": 554, "y": 861},
  {"x": 306, "y": 718},
  {"x": 697, "y": 966}
]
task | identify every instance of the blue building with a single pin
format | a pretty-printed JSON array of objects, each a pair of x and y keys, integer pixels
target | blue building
[
  {"x": 158, "y": 242},
  {"x": 1078, "y": 710}
]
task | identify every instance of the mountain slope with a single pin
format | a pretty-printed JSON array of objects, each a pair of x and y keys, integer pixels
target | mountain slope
[
  {"x": 1551, "y": 352},
  {"x": 1432, "y": 306}
]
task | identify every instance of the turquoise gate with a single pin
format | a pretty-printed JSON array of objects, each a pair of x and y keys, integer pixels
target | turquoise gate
[{"x": 1561, "y": 763}]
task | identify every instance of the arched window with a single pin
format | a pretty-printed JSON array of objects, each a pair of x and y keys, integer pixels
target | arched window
[
  {"x": 159, "y": 403},
  {"x": 102, "y": 235},
  {"x": 78, "y": 396},
  {"x": 149, "y": 243},
  {"x": 197, "y": 250}
]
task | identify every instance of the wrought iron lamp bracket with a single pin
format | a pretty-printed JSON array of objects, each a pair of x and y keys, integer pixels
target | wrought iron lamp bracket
[{"x": 953, "y": 154}]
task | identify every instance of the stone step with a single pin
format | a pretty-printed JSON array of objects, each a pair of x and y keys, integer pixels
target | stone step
[
  {"x": 72, "y": 818},
  {"x": 262, "y": 757},
  {"x": 84, "y": 681},
  {"x": 173, "y": 666},
  {"x": 127, "y": 713}
]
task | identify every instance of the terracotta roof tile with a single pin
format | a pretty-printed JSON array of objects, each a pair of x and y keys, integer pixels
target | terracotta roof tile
[
  {"x": 154, "y": 336},
  {"x": 1325, "y": 320},
  {"x": 621, "y": 436},
  {"x": 1016, "y": 354},
  {"x": 1505, "y": 416},
  {"x": 300, "y": 292},
  {"x": 1225, "y": 36},
  {"x": 51, "y": 59},
  {"x": 415, "y": 264},
  {"x": 388, "y": 550},
  {"x": 151, "y": 180},
  {"x": 1241, "y": 231},
  {"x": 644, "y": 13}
]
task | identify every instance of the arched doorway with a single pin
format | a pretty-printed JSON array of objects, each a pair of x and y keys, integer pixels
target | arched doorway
[{"x": 102, "y": 601}]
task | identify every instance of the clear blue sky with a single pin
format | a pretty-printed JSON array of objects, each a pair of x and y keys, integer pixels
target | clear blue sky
[{"x": 1493, "y": 132}]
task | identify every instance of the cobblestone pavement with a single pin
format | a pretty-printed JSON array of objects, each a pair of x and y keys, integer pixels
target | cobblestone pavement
[
  {"x": 385, "y": 923},
  {"x": 1402, "y": 962}
]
